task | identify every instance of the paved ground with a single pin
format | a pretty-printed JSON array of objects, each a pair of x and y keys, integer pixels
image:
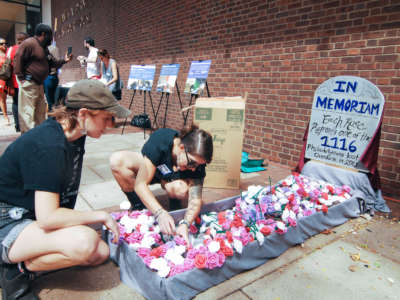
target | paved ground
[{"x": 357, "y": 260}]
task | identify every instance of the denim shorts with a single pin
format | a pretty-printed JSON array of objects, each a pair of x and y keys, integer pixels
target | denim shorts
[{"x": 12, "y": 222}]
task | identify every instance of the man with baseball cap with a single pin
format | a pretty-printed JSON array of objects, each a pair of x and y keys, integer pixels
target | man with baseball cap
[{"x": 39, "y": 180}]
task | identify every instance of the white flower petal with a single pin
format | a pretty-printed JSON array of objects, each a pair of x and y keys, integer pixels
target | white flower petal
[{"x": 125, "y": 205}]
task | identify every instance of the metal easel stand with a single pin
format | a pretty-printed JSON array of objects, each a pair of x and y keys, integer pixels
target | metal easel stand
[
  {"x": 130, "y": 105},
  {"x": 158, "y": 108},
  {"x": 192, "y": 96}
]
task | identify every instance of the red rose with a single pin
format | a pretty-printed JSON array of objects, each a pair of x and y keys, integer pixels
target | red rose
[
  {"x": 192, "y": 229},
  {"x": 291, "y": 198},
  {"x": 200, "y": 261},
  {"x": 331, "y": 189},
  {"x": 197, "y": 220},
  {"x": 325, "y": 196},
  {"x": 295, "y": 174},
  {"x": 227, "y": 251},
  {"x": 247, "y": 229},
  {"x": 324, "y": 208},
  {"x": 265, "y": 230},
  {"x": 138, "y": 227},
  {"x": 237, "y": 222},
  {"x": 156, "y": 252},
  {"x": 229, "y": 236}
]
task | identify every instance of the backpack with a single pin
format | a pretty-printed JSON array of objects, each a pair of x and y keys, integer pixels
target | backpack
[
  {"x": 142, "y": 121},
  {"x": 5, "y": 68}
]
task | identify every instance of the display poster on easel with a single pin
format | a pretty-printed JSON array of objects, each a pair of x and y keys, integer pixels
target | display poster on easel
[
  {"x": 141, "y": 77},
  {"x": 196, "y": 80},
  {"x": 167, "y": 79},
  {"x": 346, "y": 113}
]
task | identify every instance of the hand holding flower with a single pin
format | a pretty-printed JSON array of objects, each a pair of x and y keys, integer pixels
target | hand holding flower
[
  {"x": 183, "y": 231},
  {"x": 111, "y": 225},
  {"x": 166, "y": 222}
]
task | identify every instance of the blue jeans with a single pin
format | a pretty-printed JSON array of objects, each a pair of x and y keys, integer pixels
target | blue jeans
[{"x": 50, "y": 85}]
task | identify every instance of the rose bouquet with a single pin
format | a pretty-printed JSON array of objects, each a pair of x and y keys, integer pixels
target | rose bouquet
[{"x": 214, "y": 236}]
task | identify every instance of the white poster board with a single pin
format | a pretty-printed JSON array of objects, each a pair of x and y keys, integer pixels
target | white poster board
[{"x": 345, "y": 114}]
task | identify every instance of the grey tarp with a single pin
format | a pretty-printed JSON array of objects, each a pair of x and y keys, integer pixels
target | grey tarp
[
  {"x": 358, "y": 181},
  {"x": 136, "y": 275}
]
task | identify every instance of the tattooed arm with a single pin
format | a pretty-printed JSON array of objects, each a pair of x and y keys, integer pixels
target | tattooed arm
[
  {"x": 194, "y": 201},
  {"x": 193, "y": 209}
]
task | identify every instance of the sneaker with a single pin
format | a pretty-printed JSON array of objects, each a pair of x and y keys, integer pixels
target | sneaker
[
  {"x": 15, "y": 284},
  {"x": 134, "y": 199}
]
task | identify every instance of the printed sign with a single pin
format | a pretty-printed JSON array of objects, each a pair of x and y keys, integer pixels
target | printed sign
[
  {"x": 345, "y": 114},
  {"x": 168, "y": 75},
  {"x": 141, "y": 77},
  {"x": 197, "y": 76}
]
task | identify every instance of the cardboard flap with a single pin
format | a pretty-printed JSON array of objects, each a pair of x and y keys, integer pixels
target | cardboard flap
[{"x": 221, "y": 102}]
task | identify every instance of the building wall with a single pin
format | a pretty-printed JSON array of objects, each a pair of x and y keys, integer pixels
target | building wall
[{"x": 278, "y": 51}]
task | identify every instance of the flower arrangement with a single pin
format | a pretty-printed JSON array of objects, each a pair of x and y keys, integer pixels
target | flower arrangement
[{"x": 215, "y": 236}]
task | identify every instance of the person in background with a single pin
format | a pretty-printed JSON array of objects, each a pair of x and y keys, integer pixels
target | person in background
[
  {"x": 32, "y": 64},
  {"x": 3, "y": 84},
  {"x": 177, "y": 161},
  {"x": 39, "y": 229},
  {"x": 91, "y": 61},
  {"x": 51, "y": 82},
  {"x": 109, "y": 73},
  {"x": 20, "y": 37}
]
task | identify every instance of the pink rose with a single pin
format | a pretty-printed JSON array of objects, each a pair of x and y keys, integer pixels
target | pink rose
[
  {"x": 188, "y": 264},
  {"x": 212, "y": 260},
  {"x": 142, "y": 252}
]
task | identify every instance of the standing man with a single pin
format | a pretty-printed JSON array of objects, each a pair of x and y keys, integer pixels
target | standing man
[
  {"x": 14, "y": 84},
  {"x": 32, "y": 64},
  {"x": 91, "y": 61}
]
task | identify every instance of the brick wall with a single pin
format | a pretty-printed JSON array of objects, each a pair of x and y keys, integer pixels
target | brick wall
[{"x": 278, "y": 51}]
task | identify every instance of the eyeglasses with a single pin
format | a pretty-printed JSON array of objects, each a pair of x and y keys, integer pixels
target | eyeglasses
[
  {"x": 3, "y": 43},
  {"x": 190, "y": 162}
]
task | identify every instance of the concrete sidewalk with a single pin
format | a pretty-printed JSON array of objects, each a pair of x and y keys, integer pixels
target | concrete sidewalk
[{"x": 357, "y": 260}]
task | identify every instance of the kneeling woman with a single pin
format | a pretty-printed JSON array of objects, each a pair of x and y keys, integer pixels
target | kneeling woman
[
  {"x": 177, "y": 161},
  {"x": 39, "y": 179}
]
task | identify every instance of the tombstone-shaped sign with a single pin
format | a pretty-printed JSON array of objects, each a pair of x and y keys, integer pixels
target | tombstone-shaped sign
[{"x": 345, "y": 115}]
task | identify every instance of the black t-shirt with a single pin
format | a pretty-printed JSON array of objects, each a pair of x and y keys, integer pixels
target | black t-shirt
[
  {"x": 159, "y": 150},
  {"x": 41, "y": 160}
]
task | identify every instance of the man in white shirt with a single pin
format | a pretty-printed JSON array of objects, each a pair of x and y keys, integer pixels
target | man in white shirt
[{"x": 91, "y": 61}]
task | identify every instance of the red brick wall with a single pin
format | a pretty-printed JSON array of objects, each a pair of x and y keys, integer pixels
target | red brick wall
[{"x": 278, "y": 51}]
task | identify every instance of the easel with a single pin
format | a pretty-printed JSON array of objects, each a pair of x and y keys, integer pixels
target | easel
[
  {"x": 192, "y": 96},
  {"x": 158, "y": 108},
  {"x": 144, "y": 109},
  {"x": 130, "y": 105}
]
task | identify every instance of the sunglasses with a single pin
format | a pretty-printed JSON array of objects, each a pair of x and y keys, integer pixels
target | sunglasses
[
  {"x": 3, "y": 44},
  {"x": 190, "y": 162}
]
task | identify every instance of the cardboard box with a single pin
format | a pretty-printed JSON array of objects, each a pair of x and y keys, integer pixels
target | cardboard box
[{"x": 224, "y": 119}]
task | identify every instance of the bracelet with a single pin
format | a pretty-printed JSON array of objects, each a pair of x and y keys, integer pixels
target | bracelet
[
  {"x": 183, "y": 221},
  {"x": 158, "y": 213}
]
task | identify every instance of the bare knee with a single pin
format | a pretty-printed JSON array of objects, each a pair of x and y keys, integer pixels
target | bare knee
[
  {"x": 85, "y": 246},
  {"x": 177, "y": 189},
  {"x": 116, "y": 161}
]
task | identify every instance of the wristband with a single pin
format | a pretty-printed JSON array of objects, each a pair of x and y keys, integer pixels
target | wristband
[
  {"x": 183, "y": 221},
  {"x": 158, "y": 213}
]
